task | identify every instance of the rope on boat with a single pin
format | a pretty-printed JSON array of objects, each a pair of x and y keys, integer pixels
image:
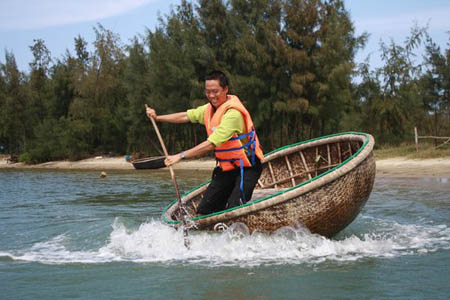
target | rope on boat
[{"x": 220, "y": 227}]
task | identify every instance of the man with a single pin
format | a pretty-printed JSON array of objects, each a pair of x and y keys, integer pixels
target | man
[{"x": 232, "y": 137}]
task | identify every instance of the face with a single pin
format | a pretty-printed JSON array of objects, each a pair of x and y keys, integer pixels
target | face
[{"x": 215, "y": 93}]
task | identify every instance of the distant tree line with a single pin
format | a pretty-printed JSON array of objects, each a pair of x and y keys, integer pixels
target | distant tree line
[{"x": 292, "y": 62}]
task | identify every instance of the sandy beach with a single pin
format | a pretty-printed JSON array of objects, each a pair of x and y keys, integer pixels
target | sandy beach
[
  {"x": 398, "y": 167},
  {"x": 401, "y": 167}
]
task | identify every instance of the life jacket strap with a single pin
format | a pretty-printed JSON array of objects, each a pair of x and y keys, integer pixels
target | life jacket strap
[{"x": 250, "y": 146}]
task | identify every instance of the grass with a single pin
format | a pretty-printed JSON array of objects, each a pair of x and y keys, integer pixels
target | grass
[{"x": 426, "y": 151}]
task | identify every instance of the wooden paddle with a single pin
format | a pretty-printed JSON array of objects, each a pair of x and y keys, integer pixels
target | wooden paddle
[{"x": 174, "y": 181}]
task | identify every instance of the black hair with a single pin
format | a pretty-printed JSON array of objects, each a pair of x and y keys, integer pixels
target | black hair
[{"x": 219, "y": 76}]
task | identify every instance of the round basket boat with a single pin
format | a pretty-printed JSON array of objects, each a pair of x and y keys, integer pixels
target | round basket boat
[{"x": 321, "y": 184}]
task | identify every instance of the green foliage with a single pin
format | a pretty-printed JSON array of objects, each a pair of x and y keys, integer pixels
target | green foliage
[
  {"x": 434, "y": 88},
  {"x": 25, "y": 158},
  {"x": 290, "y": 61},
  {"x": 400, "y": 96},
  {"x": 15, "y": 126}
]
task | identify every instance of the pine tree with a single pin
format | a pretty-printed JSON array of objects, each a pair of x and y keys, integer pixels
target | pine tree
[
  {"x": 435, "y": 88},
  {"x": 15, "y": 129}
]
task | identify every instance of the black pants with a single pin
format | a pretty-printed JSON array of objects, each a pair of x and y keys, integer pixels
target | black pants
[{"x": 224, "y": 190}]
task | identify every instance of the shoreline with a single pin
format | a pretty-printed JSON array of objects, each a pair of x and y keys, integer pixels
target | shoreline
[
  {"x": 101, "y": 163},
  {"x": 395, "y": 167}
]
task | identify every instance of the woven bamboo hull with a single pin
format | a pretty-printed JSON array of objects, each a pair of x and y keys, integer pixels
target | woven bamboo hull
[
  {"x": 149, "y": 163},
  {"x": 320, "y": 184}
]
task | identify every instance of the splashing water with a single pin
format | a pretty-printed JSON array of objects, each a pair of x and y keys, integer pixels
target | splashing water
[{"x": 155, "y": 242}]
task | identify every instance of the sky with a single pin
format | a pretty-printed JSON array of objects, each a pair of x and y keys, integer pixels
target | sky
[{"x": 58, "y": 22}]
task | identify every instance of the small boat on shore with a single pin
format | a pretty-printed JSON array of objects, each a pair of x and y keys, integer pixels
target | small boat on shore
[
  {"x": 156, "y": 162},
  {"x": 321, "y": 184}
]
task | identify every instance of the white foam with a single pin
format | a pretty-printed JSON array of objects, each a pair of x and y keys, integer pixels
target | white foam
[{"x": 155, "y": 242}]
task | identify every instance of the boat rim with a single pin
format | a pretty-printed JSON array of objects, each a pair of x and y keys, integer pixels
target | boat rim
[{"x": 145, "y": 159}]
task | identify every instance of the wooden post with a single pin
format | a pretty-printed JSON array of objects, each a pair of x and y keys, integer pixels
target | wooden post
[{"x": 416, "y": 138}]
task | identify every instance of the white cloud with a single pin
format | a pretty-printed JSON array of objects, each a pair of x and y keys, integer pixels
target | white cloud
[
  {"x": 437, "y": 19},
  {"x": 35, "y": 14}
]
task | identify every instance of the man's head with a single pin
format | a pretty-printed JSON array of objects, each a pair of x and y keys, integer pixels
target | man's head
[
  {"x": 219, "y": 76},
  {"x": 216, "y": 88}
]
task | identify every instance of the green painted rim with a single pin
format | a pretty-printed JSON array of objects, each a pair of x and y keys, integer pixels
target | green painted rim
[{"x": 279, "y": 193}]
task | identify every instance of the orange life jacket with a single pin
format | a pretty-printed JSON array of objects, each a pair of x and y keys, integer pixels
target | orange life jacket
[{"x": 231, "y": 154}]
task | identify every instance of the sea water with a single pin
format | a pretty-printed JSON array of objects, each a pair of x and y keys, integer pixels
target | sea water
[{"x": 72, "y": 234}]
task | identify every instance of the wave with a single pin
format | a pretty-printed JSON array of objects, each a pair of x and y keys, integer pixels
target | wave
[{"x": 155, "y": 242}]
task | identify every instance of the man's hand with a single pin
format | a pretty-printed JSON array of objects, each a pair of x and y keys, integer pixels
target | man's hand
[
  {"x": 172, "y": 159},
  {"x": 151, "y": 113}
]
